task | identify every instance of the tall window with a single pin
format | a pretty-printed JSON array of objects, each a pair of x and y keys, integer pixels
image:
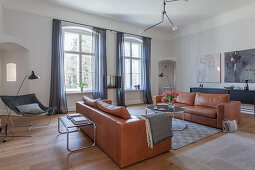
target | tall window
[
  {"x": 133, "y": 57},
  {"x": 78, "y": 58}
]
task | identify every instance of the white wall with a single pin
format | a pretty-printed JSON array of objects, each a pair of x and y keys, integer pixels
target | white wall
[
  {"x": 33, "y": 29},
  {"x": 20, "y": 58},
  {"x": 229, "y": 32}
]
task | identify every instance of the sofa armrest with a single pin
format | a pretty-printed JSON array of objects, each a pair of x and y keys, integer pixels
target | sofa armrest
[
  {"x": 228, "y": 111},
  {"x": 157, "y": 99},
  {"x": 133, "y": 145}
]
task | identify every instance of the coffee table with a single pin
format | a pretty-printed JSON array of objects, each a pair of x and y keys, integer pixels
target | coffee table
[
  {"x": 68, "y": 124},
  {"x": 176, "y": 110}
]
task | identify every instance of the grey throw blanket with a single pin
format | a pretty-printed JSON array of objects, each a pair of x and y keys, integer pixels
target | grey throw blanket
[{"x": 158, "y": 127}]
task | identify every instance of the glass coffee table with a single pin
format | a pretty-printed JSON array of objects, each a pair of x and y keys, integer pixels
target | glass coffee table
[{"x": 166, "y": 109}]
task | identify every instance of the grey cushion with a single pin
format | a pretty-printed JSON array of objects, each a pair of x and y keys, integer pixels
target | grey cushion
[{"x": 30, "y": 108}]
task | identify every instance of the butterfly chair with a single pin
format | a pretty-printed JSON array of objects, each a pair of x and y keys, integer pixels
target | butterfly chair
[{"x": 12, "y": 102}]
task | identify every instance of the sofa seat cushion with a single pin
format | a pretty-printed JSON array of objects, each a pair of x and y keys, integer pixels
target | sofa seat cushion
[
  {"x": 114, "y": 110},
  {"x": 210, "y": 100},
  {"x": 180, "y": 104},
  {"x": 89, "y": 101},
  {"x": 186, "y": 98},
  {"x": 202, "y": 111}
]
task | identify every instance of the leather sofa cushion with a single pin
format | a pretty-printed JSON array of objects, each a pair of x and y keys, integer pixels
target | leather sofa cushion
[
  {"x": 114, "y": 110},
  {"x": 202, "y": 111},
  {"x": 89, "y": 101},
  {"x": 186, "y": 98},
  {"x": 210, "y": 100},
  {"x": 180, "y": 104}
]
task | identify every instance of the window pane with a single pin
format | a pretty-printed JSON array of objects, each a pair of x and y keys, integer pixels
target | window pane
[
  {"x": 71, "y": 64},
  {"x": 87, "y": 71},
  {"x": 136, "y": 66},
  {"x": 127, "y": 81},
  {"x": 71, "y": 42},
  {"x": 136, "y": 50},
  {"x": 127, "y": 49},
  {"x": 136, "y": 79},
  {"x": 86, "y": 43},
  {"x": 127, "y": 65}
]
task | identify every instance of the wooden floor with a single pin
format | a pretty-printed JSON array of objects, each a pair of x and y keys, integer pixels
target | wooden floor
[{"x": 46, "y": 149}]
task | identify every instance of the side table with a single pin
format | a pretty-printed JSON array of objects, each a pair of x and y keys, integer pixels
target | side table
[{"x": 68, "y": 124}]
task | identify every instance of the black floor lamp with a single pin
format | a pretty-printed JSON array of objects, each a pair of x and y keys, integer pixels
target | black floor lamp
[
  {"x": 32, "y": 76},
  {"x": 164, "y": 75}
]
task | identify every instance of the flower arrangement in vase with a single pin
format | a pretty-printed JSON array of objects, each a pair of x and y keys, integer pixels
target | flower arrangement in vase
[{"x": 170, "y": 98}]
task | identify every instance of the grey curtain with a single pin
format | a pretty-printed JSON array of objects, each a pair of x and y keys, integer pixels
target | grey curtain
[
  {"x": 100, "y": 70},
  {"x": 120, "y": 91},
  {"x": 146, "y": 69},
  {"x": 57, "y": 88}
]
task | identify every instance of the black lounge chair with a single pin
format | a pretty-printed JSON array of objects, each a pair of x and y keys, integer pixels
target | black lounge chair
[{"x": 12, "y": 102}]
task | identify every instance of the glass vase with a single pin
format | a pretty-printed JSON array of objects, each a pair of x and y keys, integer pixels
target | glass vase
[{"x": 171, "y": 106}]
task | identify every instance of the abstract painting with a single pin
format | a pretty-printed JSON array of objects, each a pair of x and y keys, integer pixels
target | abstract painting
[
  {"x": 240, "y": 66},
  {"x": 209, "y": 68}
]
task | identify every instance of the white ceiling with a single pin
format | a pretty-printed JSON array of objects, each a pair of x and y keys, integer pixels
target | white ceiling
[{"x": 148, "y": 12}]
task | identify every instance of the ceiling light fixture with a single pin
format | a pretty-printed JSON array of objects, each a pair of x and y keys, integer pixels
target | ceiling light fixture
[{"x": 174, "y": 27}]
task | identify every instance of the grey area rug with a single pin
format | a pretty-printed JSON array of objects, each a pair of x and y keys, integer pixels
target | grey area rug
[
  {"x": 233, "y": 151},
  {"x": 192, "y": 133}
]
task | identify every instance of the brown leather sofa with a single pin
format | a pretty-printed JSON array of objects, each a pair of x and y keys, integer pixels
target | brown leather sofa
[
  {"x": 123, "y": 140},
  {"x": 207, "y": 109}
]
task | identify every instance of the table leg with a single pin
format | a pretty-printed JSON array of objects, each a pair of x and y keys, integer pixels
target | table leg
[
  {"x": 67, "y": 140},
  {"x": 184, "y": 122}
]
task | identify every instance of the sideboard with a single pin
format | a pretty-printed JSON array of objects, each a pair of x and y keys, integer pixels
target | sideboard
[{"x": 244, "y": 96}]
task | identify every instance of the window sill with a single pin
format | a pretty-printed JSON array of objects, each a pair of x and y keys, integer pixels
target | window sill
[
  {"x": 133, "y": 90},
  {"x": 78, "y": 92}
]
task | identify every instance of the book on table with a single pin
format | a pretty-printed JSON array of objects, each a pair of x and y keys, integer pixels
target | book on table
[
  {"x": 79, "y": 120},
  {"x": 70, "y": 116}
]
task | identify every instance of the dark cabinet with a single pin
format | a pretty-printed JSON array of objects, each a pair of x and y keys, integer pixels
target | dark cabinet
[{"x": 246, "y": 97}]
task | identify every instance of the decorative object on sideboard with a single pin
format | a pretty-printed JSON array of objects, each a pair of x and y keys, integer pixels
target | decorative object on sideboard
[
  {"x": 201, "y": 85},
  {"x": 230, "y": 87},
  {"x": 246, "y": 86},
  {"x": 240, "y": 66},
  {"x": 209, "y": 68}
]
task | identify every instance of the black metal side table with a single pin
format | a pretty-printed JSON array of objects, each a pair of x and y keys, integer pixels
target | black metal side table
[{"x": 68, "y": 124}]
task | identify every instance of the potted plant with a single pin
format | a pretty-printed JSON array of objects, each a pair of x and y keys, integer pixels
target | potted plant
[
  {"x": 170, "y": 98},
  {"x": 81, "y": 85}
]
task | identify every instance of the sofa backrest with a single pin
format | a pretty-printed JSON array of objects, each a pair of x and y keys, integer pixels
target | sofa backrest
[
  {"x": 210, "y": 100},
  {"x": 186, "y": 98}
]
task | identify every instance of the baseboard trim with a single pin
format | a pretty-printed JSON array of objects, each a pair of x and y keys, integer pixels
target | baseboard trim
[
  {"x": 72, "y": 109},
  {"x": 3, "y": 112},
  {"x": 134, "y": 102}
]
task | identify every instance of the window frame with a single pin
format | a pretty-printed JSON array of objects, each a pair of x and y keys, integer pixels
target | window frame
[
  {"x": 80, "y": 31},
  {"x": 133, "y": 40}
]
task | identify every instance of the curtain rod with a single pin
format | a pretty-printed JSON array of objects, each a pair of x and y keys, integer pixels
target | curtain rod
[{"x": 101, "y": 28}]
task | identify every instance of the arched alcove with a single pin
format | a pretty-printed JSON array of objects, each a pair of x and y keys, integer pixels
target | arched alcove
[
  {"x": 168, "y": 68},
  {"x": 16, "y": 57}
]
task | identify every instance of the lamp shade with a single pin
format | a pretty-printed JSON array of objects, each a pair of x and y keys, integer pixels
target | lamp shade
[{"x": 33, "y": 76}]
